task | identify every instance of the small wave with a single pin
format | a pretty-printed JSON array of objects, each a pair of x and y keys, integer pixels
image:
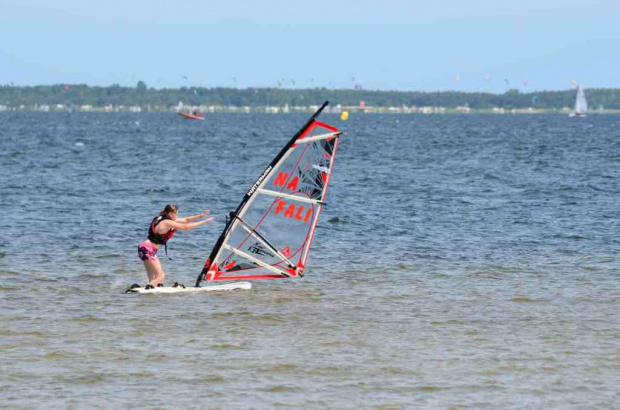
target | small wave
[
  {"x": 210, "y": 379},
  {"x": 58, "y": 355},
  {"x": 108, "y": 256},
  {"x": 143, "y": 374},
  {"x": 490, "y": 177},
  {"x": 6, "y": 333},
  {"x": 92, "y": 276},
  {"x": 278, "y": 389},
  {"x": 90, "y": 379},
  {"x": 88, "y": 319},
  {"x": 329, "y": 371},
  {"x": 568, "y": 236},
  {"x": 283, "y": 368},
  {"x": 226, "y": 346},
  {"x": 528, "y": 300},
  {"x": 156, "y": 190},
  {"x": 447, "y": 322},
  {"x": 398, "y": 371},
  {"x": 428, "y": 388},
  {"x": 8, "y": 273},
  {"x": 269, "y": 318}
]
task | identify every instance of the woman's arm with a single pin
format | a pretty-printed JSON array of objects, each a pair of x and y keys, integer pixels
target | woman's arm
[
  {"x": 181, "y": 226},
  {"x": 193, "y": 217}
]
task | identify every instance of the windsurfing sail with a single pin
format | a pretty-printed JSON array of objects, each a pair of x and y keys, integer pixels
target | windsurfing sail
[
  {"x": 269, "y": 235},
  {"x": 581, "y": 105}
]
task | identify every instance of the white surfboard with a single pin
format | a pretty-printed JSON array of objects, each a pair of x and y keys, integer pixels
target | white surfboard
[{"x": 180, "y": 289}]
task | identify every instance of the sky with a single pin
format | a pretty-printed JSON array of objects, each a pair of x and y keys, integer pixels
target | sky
[{"x": 405, "y": 45}]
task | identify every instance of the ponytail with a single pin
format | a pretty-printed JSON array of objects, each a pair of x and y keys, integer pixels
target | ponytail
[{"x": 170, "y": 208}]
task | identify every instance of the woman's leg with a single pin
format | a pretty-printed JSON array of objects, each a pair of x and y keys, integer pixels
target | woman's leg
[{"x": 154, "y": 272}]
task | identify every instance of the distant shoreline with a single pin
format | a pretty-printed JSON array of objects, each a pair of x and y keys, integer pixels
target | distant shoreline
[
  {"x": 79, "y": 97},
  {"x": 271, "y": 110}
]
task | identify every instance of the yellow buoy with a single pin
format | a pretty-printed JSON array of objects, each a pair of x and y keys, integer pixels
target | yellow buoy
[{"x": 344, "y": 116}]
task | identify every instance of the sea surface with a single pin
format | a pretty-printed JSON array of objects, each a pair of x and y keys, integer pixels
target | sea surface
[{"x": 462, "y": 262}]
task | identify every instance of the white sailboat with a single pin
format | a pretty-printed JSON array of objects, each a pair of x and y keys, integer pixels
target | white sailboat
[{"x": 581, "y": 105}]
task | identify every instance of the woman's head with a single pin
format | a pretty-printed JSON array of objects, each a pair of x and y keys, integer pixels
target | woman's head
[{"x": 170, "y": 210}]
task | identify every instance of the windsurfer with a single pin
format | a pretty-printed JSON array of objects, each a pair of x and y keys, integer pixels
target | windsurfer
[{"x": 162, "y": 228}]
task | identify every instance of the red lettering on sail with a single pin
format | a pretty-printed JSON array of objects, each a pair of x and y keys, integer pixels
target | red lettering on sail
[
  {"x": 308, "y": 214},
  {"x": 281, "y": 179},
  {"x": 290, "y": 211},
  {"x": 280, "y": 207},
  {"x": 299, "y": 212},
  {"x": 286, "y": 251},
  {"x": 292, "y": 186}
]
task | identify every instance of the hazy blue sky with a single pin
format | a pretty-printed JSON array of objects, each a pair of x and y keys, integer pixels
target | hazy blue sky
[{"x": 426, "y": 45}]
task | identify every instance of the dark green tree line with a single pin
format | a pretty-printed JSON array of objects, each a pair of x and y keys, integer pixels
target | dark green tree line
[{"x": 142, "y": 95}]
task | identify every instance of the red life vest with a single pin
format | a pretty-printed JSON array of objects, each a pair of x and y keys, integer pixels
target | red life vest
[{"x": 158, "y": 238}]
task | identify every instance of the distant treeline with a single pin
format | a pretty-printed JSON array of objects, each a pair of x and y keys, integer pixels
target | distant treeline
[{"x": 141, "y": 95}]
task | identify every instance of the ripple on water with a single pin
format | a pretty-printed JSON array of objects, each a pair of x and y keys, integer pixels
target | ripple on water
[{"x": 528, "y": 300}]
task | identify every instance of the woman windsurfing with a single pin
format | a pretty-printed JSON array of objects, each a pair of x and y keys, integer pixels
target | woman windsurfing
[{"x": 162, "y": 228}]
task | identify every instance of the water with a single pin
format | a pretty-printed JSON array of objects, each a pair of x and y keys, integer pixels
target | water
[{"x": 461, "y": 262}]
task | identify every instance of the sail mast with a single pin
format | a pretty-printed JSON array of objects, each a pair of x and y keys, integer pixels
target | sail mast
[{"x": 233, "y": 219}]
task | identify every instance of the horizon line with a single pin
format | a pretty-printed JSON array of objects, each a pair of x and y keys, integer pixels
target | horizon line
[{"x": 360, "y": 90}]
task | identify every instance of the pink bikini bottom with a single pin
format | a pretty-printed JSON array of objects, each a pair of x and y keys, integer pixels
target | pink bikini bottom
[{"x": 147, "y": 252}]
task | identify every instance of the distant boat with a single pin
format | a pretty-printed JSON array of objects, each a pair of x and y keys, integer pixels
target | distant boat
[
  {"x": 194, "y": 115},
  {"x": 581, "y": 105}
]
